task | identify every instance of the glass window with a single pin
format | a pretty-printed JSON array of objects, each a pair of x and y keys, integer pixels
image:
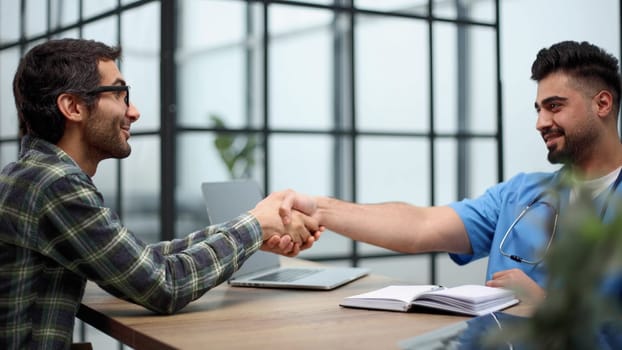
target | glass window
[
  {"x": 140, "y": 187},
  {"x": 205, "y": 161},
  {"x": 300, "y": 69},
  {"x": 71, "y": 33},
  {"x": 318, "y": 2},
  {"x": 418, "y": 7},
  {"x": 94, "y": 8},
  {"x": 107, "y": 181},
  {"x": 10, "y": 20},
  {"x": 292, "y": 20},
  {"x": 142, "y": 73},
  {"x": 9, "y": 59},
  {"x": 104, "y": 30},
  {"x": 481, "y": 89},
  {"x": 212, "y": 65},
  {"x": 482, "y": 160},
  {"x": 36, "y": 18},
  {"x": 465, "y": 92},
  {"x": 479, "y": 169},
  {"x": 392, "y": 79},
  {"x": 211, "y": 85},
  {"x": 446, "y": 171},
  {"x": 446, "y": 80},
  {"x": 393, "y": 169},
  {"x": 475, "y": 10},
  {"x": 301, "y": 162},
  {"x": 64, "y": 12},
  {"x": 210, "y": 24},
  {"x": 140, "y": 65},
  {"x": 141, "y": 30},
  {"x": 8, "y": 153}
]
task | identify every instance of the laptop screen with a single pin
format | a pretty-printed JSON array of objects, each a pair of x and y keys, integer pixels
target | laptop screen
[{"x": 227, "y": 200}]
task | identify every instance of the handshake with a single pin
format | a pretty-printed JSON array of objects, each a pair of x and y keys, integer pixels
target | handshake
[{"x": 289, "y": 222}]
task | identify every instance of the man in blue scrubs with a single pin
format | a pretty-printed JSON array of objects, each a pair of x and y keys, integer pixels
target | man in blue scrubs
[{"x": 512, "y": 223}]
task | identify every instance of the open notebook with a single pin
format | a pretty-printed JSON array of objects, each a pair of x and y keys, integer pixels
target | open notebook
[{"x": 227, "y": 200}]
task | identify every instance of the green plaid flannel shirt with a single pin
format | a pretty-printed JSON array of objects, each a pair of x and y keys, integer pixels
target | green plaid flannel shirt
[{"x": 55, "y": 233}]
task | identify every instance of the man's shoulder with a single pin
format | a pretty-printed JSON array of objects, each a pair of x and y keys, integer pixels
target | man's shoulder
[
  {"x": 532, "y": 179},
  {"x": 533, "y": 176},
  {"x": 40, "y": 164},
  {"x": 523, "y": 185}
]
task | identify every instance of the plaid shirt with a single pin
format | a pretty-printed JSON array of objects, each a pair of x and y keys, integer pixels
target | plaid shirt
[{"x": 55, "y": 233}]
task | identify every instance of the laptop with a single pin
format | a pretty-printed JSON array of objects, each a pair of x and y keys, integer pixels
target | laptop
[{"x": 227, "y": 200}]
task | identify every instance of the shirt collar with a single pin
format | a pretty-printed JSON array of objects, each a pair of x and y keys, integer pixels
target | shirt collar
[{"x": 35, "y": 146}]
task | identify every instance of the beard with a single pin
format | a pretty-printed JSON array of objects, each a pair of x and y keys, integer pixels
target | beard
[
  {"x": 576, "y": 145},
  {"x": 105, "y": 138}
]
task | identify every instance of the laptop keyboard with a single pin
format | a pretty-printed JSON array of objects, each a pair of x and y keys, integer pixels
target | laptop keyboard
[{"x": 287, "y": 275}]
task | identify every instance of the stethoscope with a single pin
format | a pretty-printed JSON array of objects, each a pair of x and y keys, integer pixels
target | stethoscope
[{"x": 520, "y": 259}]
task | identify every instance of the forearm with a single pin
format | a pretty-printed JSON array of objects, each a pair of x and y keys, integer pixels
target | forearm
[
  {"x": 164, "y": 283},
  {"x": 178, "y": 245},
  {"x": 189, "y": 273},
  {"x": 394, "y": 225}
]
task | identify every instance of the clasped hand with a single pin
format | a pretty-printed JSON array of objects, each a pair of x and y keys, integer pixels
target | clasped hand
[{"x": 286, "y": 230}]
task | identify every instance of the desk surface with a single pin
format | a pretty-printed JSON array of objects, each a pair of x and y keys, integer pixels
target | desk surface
[{"x": 242, "y": 318}]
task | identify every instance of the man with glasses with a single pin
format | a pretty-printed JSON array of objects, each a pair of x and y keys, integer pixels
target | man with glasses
[
  {"x": 55, "y": 230},
  {"x": 513, "y": 223}
]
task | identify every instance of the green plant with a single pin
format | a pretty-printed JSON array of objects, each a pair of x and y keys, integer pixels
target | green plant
[{"x": 236, "y": 151}]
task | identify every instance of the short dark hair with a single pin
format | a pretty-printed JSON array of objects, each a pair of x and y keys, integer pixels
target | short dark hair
[
  {"x": 50, "y": 69},
  {"x": 584, "y": 62}
]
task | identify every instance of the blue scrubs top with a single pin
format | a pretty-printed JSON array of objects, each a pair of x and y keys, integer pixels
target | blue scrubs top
[{"x": 488, "y": 217}]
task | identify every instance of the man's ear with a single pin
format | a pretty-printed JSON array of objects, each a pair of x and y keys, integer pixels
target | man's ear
[
  {"x": 604, "y": 102},
  {"x": 71, "y": 107}
]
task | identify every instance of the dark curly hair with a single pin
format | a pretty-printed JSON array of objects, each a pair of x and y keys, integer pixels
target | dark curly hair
[
  {"x": 586, "y": 63},
  {"x": 50, "y": 69}
]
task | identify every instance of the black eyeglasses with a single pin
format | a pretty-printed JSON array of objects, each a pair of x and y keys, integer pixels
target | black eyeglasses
[
  {"x": 547, "y": 216},
  {"x": 108, "y": 88}
]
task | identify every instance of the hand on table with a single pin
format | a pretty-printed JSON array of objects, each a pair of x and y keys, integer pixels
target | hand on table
[{"x": 518, "y": 281}]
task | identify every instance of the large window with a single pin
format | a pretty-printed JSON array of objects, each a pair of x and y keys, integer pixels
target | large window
[
  {"x": 367, "y": 101},
  {"x": 363, "y": 100}
]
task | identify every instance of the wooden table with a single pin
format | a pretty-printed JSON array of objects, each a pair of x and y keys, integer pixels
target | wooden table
[{"x": 242, "y": 318}]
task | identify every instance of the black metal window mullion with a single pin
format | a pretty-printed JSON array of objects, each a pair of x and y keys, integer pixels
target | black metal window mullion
[
  {"x": 432, "y": 136},
  {"x": 119, "y": 187},
  {"x": 266, "y": 95},
  {"x": 355, "y": 246},
  {"x": 338, "y": 100},
  {"x": 463, "y": 144},
  {"x": 168, "y": 118},
  {"x": 248, "y": 64},
  {"x": 500, "y": 139}
]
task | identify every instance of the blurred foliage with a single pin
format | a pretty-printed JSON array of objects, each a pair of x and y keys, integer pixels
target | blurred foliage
[
  {"x": 583, "y": 307},
  {"x": 236, "y": 151}
]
